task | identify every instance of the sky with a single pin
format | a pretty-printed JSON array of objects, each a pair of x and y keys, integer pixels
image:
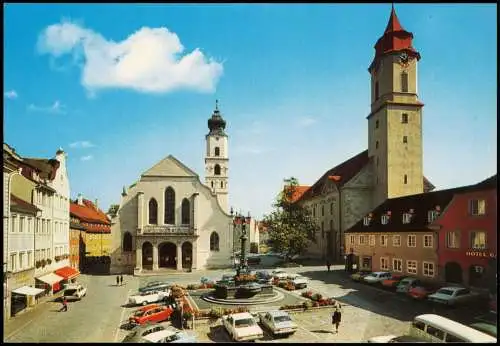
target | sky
[{"x": 121, "y": 86}]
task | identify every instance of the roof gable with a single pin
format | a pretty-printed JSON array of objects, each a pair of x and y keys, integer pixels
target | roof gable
[{"x": 169, "y": 167}]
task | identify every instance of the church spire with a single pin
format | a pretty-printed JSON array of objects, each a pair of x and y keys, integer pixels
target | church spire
[
  {"x": 393, "y": 24},
  {"x": 216, "y": 124}
]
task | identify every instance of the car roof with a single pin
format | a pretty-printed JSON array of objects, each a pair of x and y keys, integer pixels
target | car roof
[
  {"x": 377, "y": 273},
  {"x": 147, "y": 307},
  {"x": 452, "y": 288},
  {"x": 154, "y": 337},
  {"x": 275, "y": 313},
  {"x": 242, "y": 315},
  {"x": 408, "y": 338}
]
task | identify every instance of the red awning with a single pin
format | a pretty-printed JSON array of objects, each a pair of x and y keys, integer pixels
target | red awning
[{"x": 67, "y": 272}]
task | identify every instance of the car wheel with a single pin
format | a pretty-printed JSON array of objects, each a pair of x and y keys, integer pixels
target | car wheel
[{"x": 144, "y": 303}]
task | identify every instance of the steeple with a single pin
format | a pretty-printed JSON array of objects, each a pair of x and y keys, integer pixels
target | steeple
[
  {"x": 393, "y": 24},
  {"x": 216, "y": 124}
]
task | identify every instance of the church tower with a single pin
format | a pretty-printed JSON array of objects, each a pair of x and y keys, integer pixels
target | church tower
[
  {"x": 217, "y": 157},
  {"x": 395, "y": 120}
]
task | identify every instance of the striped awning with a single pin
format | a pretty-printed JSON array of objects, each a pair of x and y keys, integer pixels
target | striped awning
[{"x": 28, "y": 291}]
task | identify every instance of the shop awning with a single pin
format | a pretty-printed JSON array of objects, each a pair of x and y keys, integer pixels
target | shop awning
[
  {"x": 67, "y": 272},
  {"x": 28, "y": 291},
  {"x": 50, "y": 278}
]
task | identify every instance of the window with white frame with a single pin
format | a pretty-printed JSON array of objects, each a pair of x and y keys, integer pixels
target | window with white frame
[
  {"x": 13, "y": 259},
  {"x": 432, "y": 215},
  {"x": 406, "y": 218},
  {"x": 353, "y": 239},
  {"x": 412, "y": 240},
  {"x": 411, "y": 267},
  {"x": 383, "y": 240},
  {"x": 397, "y": 265},
  {"x": 43, "y": 254},
  {"x": 453, "y": 240},
  {"x": 477, "y": 207},
  {"x": 428, "y": 240},
  {"x": 13, "y": 223},
  {"x": 362, "y": 240},
  {"x": 21, "y": 224},
  {"x": 366, "y": 221},
  {"x": 384, "y": 263},
  {"x": 372, "y": 239},
  {"x": 21, "y": 260},
  {"x": 30, "y": 258},
  {"x": 396, "y": 240},
  {"x": 478, "y": 240},
  {"x": 385, "y": 219},
  {"x": 428, "y": 269}
]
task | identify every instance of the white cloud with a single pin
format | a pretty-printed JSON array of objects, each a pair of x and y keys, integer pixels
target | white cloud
[
  {"x": 305, "y": 121},
  {"x": 56, "y": 108},
  {"x": 11, "y": 94},
  {"x": 86, "y": 158},
  {"x": 149, "y": 60},
  {"x": 81, "y": 145}
]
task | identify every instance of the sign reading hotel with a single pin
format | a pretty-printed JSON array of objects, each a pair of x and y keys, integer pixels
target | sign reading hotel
[{"x": 482, "y": 254}]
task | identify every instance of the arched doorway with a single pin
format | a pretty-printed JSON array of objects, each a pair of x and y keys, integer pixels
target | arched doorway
[
  {"x": 187, "y": 255},
  {"x": 476, "y": 275},
  {"x": 147, "y": 255},
  {"x": 453, "y": 272},
  {"x": 167, "y": 253}
]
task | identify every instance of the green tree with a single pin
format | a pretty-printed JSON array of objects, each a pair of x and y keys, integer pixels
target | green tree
[{"x": 290, "y": 226}]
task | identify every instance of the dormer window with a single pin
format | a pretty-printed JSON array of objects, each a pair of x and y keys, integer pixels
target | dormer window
[
  {"x": 406, "y": 218},
  {"x": 432, "y": 215},
  {"x": 366, "y": 221},
  {"x": 385, "y": 219}
]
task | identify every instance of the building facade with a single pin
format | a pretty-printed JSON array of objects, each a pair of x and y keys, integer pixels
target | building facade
[
  {"x": 468, "y": 234},
  {"x": 170, "y": 219},
  {"x": 77, "y": 247},
  {"x": 392, "y": 164}
]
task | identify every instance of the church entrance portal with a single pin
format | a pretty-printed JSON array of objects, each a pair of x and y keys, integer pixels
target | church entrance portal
[
  {"x": 147, "y": 255},
  {"x": 167, "y": 253},
  {"x": 187, "y": 255}
]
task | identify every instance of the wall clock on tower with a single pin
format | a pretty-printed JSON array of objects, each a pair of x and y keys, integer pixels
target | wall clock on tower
[{"x": 403, "y": 59}]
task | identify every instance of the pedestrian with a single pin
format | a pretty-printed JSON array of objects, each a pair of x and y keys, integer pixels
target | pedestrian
[
  {"x": 328, "y": 264},
  {"x": 337, "y": 316},
  {"x": 64, "y": 305},
  {"x": 117, "y": 280},
  {"x": 121, "y": 280}
]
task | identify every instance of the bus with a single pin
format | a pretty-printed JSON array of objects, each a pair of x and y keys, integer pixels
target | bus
[{"x": 435, "y": 328}]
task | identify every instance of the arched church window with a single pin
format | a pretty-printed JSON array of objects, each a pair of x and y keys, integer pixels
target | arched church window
[
  {"x": 217, "y": 151},
  {"x": 404, "y": 82},
  {"x": 127, "y": 242},
  {"x": 185, "y": 212},
  {"x": 170, "y": 206},
  {"x": 406, "y": 179},
  {"x": 376, "y": 124},
  {"x": 212, "y": 184},
  {"x": 153, "y": 212},
  {"x": 221, "y": 185},
  {"x": 214, "y": 242},
  {"x": 217, "y": 170}
]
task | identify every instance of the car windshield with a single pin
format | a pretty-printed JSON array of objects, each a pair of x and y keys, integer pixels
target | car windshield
[
  {"x": 445, "y": 292},
  {"x": 69, "y": 292},
  {"x": 245, "y": 322},
  {"x": 282, "y": 318},
  {"x": 139, "y": 313}
]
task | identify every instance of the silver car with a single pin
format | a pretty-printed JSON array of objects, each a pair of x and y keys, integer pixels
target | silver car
[
  {"x": 155, "y": 286},
  {"x": 139, "y": 331},
  {"x": 278, "y": 322}
]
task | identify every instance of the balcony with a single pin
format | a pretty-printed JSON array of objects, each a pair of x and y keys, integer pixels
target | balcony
[{"x": 166, "y": 229}]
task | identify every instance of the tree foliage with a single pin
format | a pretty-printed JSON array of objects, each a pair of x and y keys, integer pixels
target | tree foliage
[{"x": 290, "y": 225}]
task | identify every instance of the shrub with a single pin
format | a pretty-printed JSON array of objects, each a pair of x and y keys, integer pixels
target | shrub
[
  {"x": 43, "y": 262},
  {"x": 187, "y": 314},
  {"x": 242, "y": 309},
  {"x": 316, "y": 297},
  {"x": 38, "y": 264},
  {"x": 214, "y": 313},
  {"x": 289, "y": 286},
  {"x": 177, "y": 292},
  {"x": 191, "y": 287},
  {"x": 210, "y": 285},
  {"x": 306, "y": 305}
]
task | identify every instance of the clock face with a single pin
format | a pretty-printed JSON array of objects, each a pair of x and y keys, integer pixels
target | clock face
[{"x": 403, "y": 58}]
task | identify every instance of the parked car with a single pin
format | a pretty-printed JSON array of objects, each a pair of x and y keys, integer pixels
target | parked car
[
  {"x": 358, "y": 276},
  {"x": 242, "y": 327},
  {"x": 279, "y": 274},
  {"x": 148, "y": 297},
  {"x": 407, "y": 283},
  {"x": 152, "y": 313},
  {"x": 455, "y": 296},
  {"x": 75, "y": 292},
  {"x": 298, "y": 281},
  {"x": 155, "y": 286},
  {"x": 278, "y": 322},
  {"x": 264, "y": 277},
  {"x": 169, "y": 335},
  {"x": 487, "y": 328},
  {"x": 139, "y": 331},
  {"x": 376, "y": 277},
  {"x": 396, "y": 339},
  {"x": 421, "y": 292},
  {"x": 393, "y": 282}
]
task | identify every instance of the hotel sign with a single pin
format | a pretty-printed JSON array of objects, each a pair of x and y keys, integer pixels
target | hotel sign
[{"x": 482, "y": 254}]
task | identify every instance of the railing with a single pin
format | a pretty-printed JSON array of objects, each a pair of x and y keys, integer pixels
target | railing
[{"x": 166, "y": 229}]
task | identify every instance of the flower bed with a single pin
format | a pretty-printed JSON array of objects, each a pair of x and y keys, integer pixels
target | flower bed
[
  {"x": 318, "y": 300},
  {"x": 200, "y": 286},
  {"x": 217, "y": 313}
]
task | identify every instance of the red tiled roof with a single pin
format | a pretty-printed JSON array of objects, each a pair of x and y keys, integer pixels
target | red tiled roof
[
  {"x": 298, "y": 192},
  {"x": 393, "y": 24},
  {"x": 17, "y": 204},
  {"x": 88, "y": 212}
]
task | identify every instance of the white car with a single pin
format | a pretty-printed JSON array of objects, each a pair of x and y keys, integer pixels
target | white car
[
  {"x": 279, "y": 273},
  {"x": 298, "y": 281},
  {"x": 168, "y": 335},
  {"x": 392, "y": 339},
  {"x": 146, "y": 298},
  {"x": 454, "y": 296},
  {"x": 377, "y": 277},
  {"x": 74, "y": 292},
  {"x": 278, "y": 322},
  {"x": 242, "y": 327}
]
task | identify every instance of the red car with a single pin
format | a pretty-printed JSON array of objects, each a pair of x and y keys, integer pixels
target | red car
[
  {"x": 421, "y": 292},
  {"x": 151, "y": 313},
  {"x": 393, "y": 281}
]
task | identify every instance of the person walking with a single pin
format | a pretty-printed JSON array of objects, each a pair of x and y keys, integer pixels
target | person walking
[
  {"x": 337, "y": 316},
  {"x": 328, "y": 265},
  {"x": 64, "y": 305},
  {"x": 121, "y": 280},
  {"x": 117, "y": 280}
]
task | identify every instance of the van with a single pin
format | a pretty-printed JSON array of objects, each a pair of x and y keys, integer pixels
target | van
[{"x": 437, "y": 328}]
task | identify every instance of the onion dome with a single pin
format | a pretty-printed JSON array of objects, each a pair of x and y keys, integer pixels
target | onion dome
[{"x": 216, "y": 123}]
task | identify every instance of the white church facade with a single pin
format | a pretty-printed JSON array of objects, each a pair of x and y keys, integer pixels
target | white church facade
[{"x": 170, "y": 219}]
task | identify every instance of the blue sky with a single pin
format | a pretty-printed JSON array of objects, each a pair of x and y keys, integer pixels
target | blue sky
[{"x": 292, "y": 82}]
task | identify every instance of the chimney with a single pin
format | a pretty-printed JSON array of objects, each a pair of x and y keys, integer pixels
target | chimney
[
  {"x": 96, "y": 203},
  {"x": 80, "y": 199}
]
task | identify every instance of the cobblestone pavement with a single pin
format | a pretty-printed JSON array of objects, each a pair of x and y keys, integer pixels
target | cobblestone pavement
[{"x": 367, "y": 311}]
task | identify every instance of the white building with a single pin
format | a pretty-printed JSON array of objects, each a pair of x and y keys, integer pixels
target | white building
[{"x": 170, "y": 219}]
